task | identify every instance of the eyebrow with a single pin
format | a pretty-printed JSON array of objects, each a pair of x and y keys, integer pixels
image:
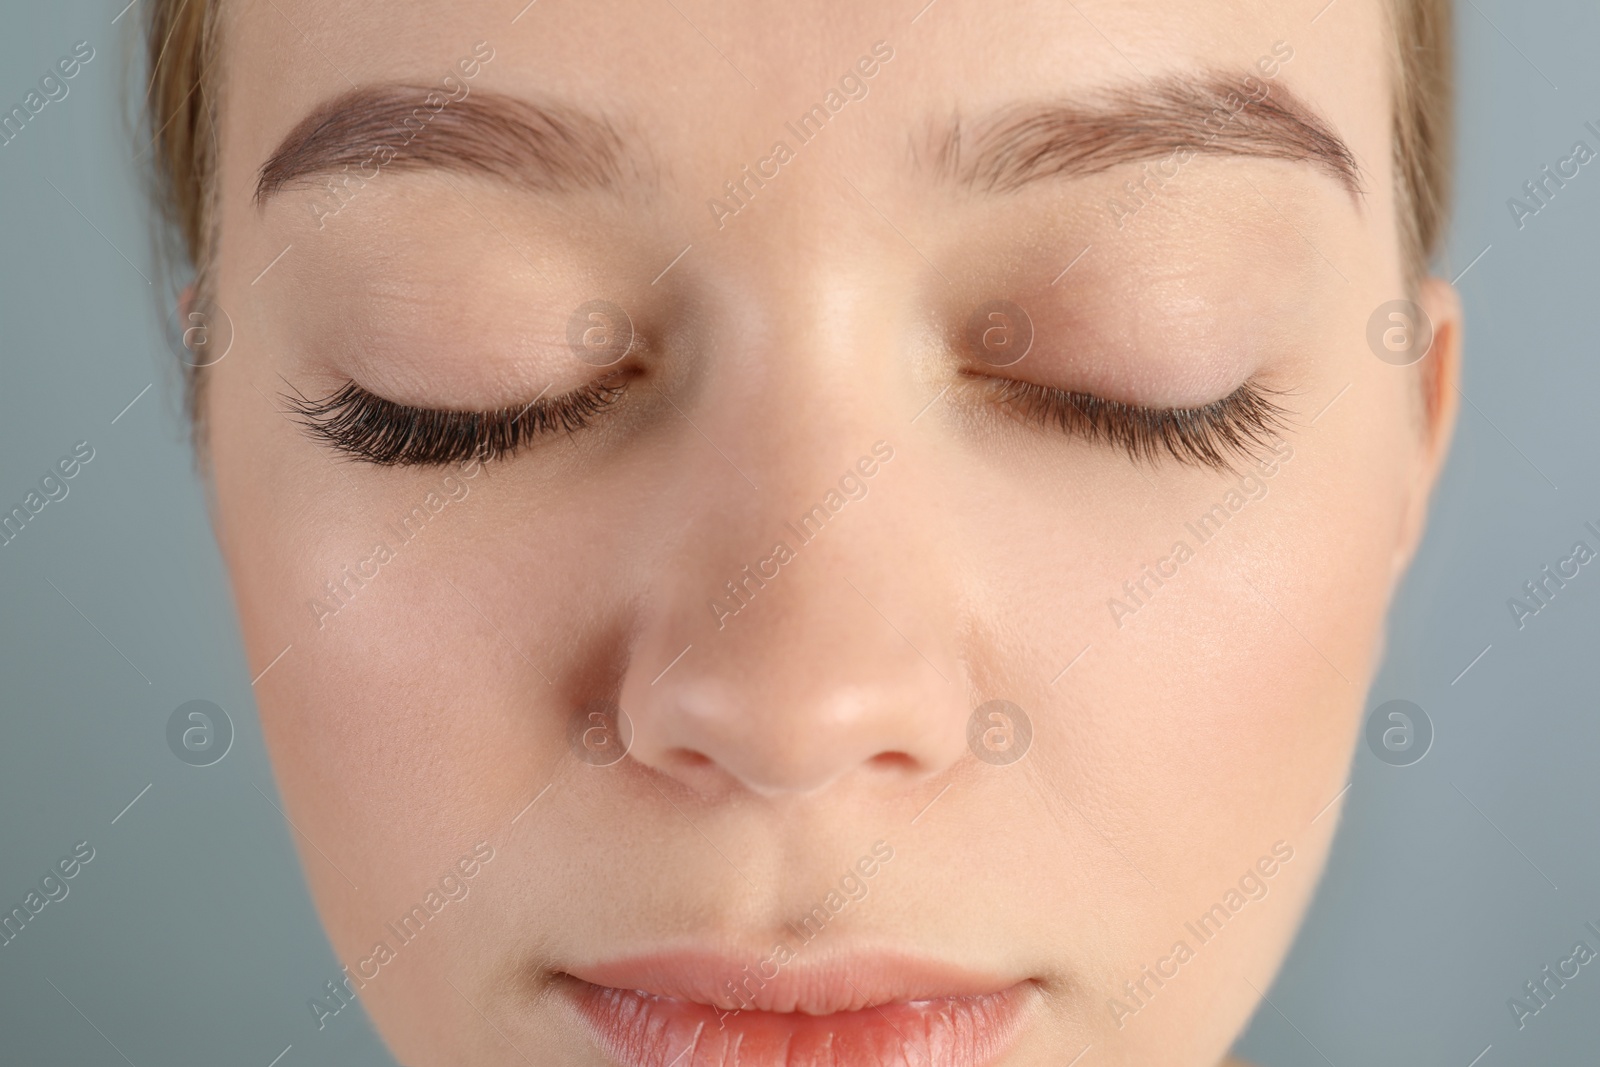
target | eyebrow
[
  {"x": 550, "y": 148},
  {"x": 545, "y": 147},
  {"x": 1140, "y": 123}
]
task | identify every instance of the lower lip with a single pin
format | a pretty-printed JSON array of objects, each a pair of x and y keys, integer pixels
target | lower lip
[{"x": 640, "y": 1029}]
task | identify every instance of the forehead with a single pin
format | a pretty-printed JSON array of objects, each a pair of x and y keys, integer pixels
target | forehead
[{"x": 699, "y": 85}]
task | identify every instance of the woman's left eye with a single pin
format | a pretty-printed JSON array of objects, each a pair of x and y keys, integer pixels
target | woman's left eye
[
  {"x": 385, "y": 433},
  {"x": 1238, "y": 427}
]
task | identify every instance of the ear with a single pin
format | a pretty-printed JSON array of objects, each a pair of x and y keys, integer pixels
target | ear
[{"x": 1439, "y": 378}]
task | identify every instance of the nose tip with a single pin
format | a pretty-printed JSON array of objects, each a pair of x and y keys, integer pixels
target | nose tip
[
  {"x": 702, "y": 729},
  {"x": 816, "y": 688}
]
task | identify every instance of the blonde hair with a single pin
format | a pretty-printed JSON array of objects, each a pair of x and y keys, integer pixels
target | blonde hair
[
  {"x": 180, "y": 114},
  {"x": 184, "y": 45},
  {"x": 1423, "y": 145}
]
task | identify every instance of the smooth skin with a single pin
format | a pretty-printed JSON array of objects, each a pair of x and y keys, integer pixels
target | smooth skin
[{"x": 1189, "y": 737}]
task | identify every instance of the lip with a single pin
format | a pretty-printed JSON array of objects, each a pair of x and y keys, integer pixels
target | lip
[{"x": 703, "y": 1009}]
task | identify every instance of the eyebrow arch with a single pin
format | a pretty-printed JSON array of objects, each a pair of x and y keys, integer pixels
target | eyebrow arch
[
  {"x": 1139, "y": 123},
  {"x": 544, "y": 147}
]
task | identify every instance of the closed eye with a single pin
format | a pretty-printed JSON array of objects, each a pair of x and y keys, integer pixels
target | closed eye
[
  {"x": 1239, "y": 427},
  {"x": 370, "y": 428}
]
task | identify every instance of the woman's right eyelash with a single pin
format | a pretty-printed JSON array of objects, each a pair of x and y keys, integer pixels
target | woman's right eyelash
[{"x": 389, "y": 434}]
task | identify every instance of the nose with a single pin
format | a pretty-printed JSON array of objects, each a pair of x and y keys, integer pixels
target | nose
[{"x": 827, "y": 653}]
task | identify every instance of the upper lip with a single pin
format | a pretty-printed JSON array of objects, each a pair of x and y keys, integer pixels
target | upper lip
[{"x": 810, "y": 983}]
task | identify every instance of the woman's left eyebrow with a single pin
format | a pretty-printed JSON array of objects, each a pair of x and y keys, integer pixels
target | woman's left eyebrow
[
  {"x": 1208, "y": 113},
  {"x": 546, "y": 147}
]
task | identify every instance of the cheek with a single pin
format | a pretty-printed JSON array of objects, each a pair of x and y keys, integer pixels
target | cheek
[
  {"x": 411, "y": 707},
  {"x": 1243, "y": 678},
  {"x": 1220, "y": 716},
  {"x": 362, "y": 715}
]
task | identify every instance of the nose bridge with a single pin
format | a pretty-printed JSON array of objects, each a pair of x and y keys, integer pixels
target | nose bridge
[{"x": 805, "y": 631}]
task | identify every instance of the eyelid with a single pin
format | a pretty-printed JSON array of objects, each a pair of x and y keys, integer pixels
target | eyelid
[
  {"x": 385, "y": 433},
  {"x": 1237, "y": 427}
]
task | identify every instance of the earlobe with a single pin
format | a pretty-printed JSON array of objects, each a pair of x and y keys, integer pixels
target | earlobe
[{"x": 1439, "y": 378}]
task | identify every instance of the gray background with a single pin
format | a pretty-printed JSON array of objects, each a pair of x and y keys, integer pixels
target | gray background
[{"x": 189, "y": 939}]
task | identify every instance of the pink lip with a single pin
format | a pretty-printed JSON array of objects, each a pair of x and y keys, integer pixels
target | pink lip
[{"x": 699, "y": 1009}]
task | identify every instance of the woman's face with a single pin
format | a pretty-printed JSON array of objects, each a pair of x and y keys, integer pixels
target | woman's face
[{"x": 825, "y": 334}]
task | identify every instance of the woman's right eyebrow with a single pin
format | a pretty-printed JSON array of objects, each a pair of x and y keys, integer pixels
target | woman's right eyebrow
[{"x": 545, "y": 147}]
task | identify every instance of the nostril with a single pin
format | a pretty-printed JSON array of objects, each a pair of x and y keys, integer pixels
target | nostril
[
  {"x": 688, "y": 759},
  {"x": 894, "y": 762}
]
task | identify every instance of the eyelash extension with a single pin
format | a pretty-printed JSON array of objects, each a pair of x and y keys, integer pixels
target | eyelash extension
[
  {"x": 1213, "y": 435},
  {"x": 388, "y": 434}
]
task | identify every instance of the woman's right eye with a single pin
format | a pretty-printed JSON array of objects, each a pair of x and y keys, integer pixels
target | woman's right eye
[{"x": 382, "y": 432}]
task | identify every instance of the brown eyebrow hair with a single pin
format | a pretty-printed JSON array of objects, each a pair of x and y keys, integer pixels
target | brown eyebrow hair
[
  {"x": 550, "y": 148},
  {"x": 545, "y": 147},
  {"x": 1140, "y": 123}
]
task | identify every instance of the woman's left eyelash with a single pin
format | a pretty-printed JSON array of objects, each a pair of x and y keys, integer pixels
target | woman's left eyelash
[
  {"x": 388, "y": 434},
  {"x": 1237, "y": 427}
]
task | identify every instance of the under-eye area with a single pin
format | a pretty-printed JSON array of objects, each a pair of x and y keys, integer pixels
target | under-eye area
[
  {"x": 382, "y": 432},
  {"x": 1235, "y": 429}
]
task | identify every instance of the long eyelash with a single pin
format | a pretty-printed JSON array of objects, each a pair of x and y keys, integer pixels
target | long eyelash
[
  {"x": 389, "y": 434},
  {"x": 1237, "y": 427}
]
